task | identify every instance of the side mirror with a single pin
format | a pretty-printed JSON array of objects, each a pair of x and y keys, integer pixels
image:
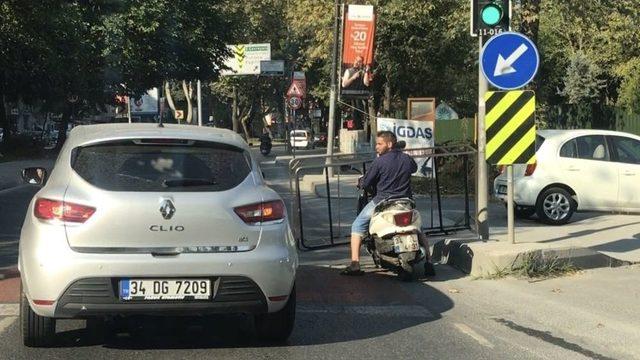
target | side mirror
[{"x": 34, "y": 175}]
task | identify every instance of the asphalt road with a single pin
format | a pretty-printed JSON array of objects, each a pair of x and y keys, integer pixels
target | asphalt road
[{"x": 375, "y": 316}]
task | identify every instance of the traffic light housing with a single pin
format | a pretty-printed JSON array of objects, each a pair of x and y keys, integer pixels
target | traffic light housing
[{"x": 490, "y": 17}]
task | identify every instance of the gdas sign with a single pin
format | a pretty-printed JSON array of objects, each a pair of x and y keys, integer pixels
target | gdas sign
[
  {"x": 418, "y": 135},
  {"x": 413, "y": 132}
]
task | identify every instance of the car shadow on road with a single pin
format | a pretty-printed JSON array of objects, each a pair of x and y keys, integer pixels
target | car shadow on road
[{"x": 331, "y": 309}]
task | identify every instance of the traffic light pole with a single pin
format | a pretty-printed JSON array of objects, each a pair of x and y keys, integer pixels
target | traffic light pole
[{"x": 482, "y": 192}]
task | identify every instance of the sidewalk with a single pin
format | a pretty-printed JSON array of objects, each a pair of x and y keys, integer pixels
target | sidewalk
[{"x": 590, "y": 240}]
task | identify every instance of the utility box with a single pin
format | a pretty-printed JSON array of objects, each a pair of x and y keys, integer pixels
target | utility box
[{"x": 353, "y": 141}]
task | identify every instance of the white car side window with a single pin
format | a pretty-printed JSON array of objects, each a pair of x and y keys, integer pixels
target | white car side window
[
  {"x": 592, "y": 147},
  {"x": 627, "y": 150},
  {"x": 569, "y": 149}
]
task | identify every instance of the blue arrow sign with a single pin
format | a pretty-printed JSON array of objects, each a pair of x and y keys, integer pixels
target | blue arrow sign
[{"x": 509, "y": 60}]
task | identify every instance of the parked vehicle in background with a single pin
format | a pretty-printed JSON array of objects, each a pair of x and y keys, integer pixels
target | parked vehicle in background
[
  {"x": 301, "y": 139},
  {"x": 576, "y": 170},
  {"x": 137, "y": 219},
  {"x": 320, "y": 139}
]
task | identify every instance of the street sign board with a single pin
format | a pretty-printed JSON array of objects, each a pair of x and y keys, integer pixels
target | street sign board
[
  {"x": 272, "y": 67},
  {"x": 179, "y": 114},
  {"x": 295, "y": 90},
  {"x": 509, "y": 60},
  {"x": 245, "y": 58},
  {"x": 295, "y": 102},
  {"x": 510, "y": 127}
]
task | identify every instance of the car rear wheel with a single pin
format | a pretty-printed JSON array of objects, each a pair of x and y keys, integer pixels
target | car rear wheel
[
  {"x": 37, "y": 331},
  {"x": 555, "y": 206},
  {"x": 277, "y": 327}
]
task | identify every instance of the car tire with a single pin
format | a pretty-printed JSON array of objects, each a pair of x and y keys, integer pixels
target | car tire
[
  {"x": 37, "y": 331},
  {"x": 277, "y": 326},
  {"x": 555, "y": 206}
]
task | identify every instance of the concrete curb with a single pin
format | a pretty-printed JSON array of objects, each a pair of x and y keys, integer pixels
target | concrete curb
[{"x": 486, "y": 258}]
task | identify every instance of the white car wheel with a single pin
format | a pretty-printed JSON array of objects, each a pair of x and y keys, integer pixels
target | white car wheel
[{"x": 555, "y": 206}]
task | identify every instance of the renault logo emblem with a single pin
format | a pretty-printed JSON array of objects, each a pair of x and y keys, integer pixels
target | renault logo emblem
[{"x": 167, "y": 209}]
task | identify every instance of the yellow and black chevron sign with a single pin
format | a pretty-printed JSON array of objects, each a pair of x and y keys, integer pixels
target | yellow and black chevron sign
[{"x": 510, "y": 126}]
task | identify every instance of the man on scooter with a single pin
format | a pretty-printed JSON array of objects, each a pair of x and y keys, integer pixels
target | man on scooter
[{"x": 390, "y": 174}]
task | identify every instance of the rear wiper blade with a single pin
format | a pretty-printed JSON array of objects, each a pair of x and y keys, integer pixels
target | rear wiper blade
[{"x": 188, "y": 182}]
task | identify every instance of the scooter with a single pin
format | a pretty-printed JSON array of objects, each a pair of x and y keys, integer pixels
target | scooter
[
  {"x": 265, "y": 146},
  {"x": 393, "y": 240}
]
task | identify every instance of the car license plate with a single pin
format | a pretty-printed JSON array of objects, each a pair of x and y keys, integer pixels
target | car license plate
[
  {"x": 165, "y": 289},
  {"x": 502, "y": 189},
  {"x": 405, "y": 243}
]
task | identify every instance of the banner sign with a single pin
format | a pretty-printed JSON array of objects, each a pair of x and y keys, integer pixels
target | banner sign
[
  {"x": 357, "y": 51},
  {"x": 245, "y": 58},
  {"x": 418, "y": 135}
]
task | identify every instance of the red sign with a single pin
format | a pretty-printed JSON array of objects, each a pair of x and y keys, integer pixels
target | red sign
[
  {"x": 357, "y": 51},
  {"x": 297, "y": 89}
]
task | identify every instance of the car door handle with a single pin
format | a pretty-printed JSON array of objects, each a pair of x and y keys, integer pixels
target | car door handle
[
  {"x": 573, "y": 169},
  {"x": 629, "y": 173}
]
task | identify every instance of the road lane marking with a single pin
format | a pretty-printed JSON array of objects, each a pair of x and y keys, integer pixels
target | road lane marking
[
  {"x": 9, "y": 309},
  {"x": 6, "y": 322},
  {"x": 473, "y": 334},
  {"x": 385, "y": 310}
]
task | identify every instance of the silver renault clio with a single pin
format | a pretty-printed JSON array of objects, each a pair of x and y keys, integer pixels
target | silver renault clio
[{"x": 155, "y": 220}]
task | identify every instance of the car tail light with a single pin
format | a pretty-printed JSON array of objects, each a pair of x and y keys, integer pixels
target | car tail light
[
  {"x": 261, "y": 212},
  {"x": 530, "y": 169},
  {"x": 403, "y": 219},
  {"x": 47, "y": 209}
]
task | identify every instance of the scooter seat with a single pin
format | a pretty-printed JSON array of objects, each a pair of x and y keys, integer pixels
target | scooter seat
[{"x": 407, "y": 203}]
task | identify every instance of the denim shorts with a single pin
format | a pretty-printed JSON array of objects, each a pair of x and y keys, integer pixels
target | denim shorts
[{"x": 361, "y": 223}]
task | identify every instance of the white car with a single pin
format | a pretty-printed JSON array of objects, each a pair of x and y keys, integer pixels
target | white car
[
  {"x": 141, "y": 219},
  {"x": 301, "y": 139},
  {"x": 577, "y": 170}
]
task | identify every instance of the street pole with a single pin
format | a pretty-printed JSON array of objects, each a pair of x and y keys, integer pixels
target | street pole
[
  {"x": 332, "y": 96},
  {"x": 482, "y": 192},
  {"x": 510, "y": 227},
  {"x": 129, "y": 108},
  {"x": 199, "y": 103}
]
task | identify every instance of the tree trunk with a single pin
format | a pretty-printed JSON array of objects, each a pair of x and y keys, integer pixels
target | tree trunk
[
  {"x": 234, "y": 115},
  {"x": 62, "y": 127},
  {"x": 386, "y": 103},
  {"x": 373, "y": 121},
  {"x": 167, "y": 94},
  {"x": 530, "y": 26},
  {"x": 187, "y": 95},
  {"x": 5, "y": 121}
]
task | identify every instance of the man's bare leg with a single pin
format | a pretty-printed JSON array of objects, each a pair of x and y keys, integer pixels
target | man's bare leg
[{"x": 356, "y": 240}]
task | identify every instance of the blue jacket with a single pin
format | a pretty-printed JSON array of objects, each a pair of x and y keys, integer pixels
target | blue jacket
[{"x": 390, "y": 174}]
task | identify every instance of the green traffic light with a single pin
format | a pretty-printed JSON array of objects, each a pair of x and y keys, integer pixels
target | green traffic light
[{"x": 491, "y": 14}]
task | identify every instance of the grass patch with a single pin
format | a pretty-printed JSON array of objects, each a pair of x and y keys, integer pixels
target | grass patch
[{"x": 533, "y": 265}]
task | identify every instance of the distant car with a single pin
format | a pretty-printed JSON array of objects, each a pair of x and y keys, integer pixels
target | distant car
[
  {"x": 140, "y": 220},
  {"x": 301, "y": 139},
  {"x": 576, "y": 170},
  {"x": 320, "y": 139}
]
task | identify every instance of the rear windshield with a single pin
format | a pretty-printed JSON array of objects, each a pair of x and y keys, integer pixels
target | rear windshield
[
  {"x": 299, "y": 133},
  {"x": 148, "y": 165}
]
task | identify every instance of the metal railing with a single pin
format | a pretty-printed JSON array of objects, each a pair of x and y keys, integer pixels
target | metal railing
[{"x": 339, "y": 161}]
